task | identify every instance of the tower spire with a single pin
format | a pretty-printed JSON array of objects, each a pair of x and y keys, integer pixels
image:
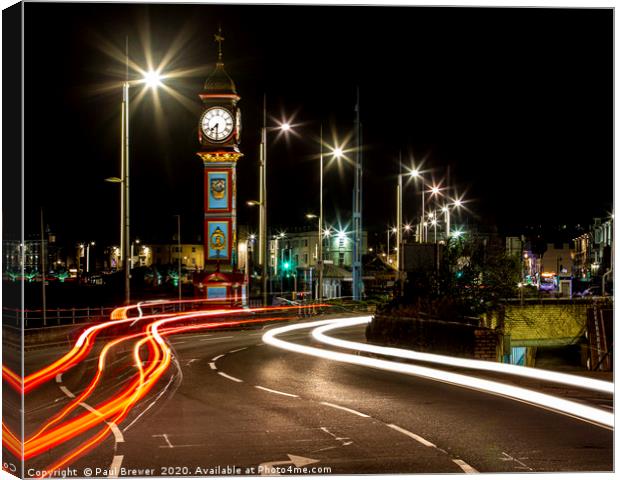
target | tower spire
[{"x": 219, "y": 39}]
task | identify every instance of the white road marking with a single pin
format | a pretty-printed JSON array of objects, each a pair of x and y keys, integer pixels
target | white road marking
[
  {"x": 266, "y": 467},
  {"x": 118, "y": 435},
  {"x": 417, "y": 438},
  {"x": 355, "y": 412},
  {"x": 509, "y": 458},
  {"x": 174, "y": 342},
  {"x": 237, "y": 350},
  {"x": 212, "y": 365},
  {"x": 215, "y": 338},
  {"x": 191, "y": 361},
  {"x": 215, "y": 359},
  {"x": 342, "y": 440},
  {"x": 465, "y": 466},
  {"x": 276, "y": 391},
  {"x": 59, "y": 378},
  {"x": 165, "y": 437},
  {"x": 66, "y": 391},
  {"x": 230, "y": 378},
  {"x": 115, "y": 468}
]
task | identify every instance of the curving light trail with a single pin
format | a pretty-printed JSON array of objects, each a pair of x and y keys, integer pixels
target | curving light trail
[
  {"x": 517, "y": 370},
  {"x": 549, "y": 402},
  {"x": 149, "y": 340}
]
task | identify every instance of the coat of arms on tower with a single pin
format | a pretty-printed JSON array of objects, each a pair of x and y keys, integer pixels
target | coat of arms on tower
[
  {"x": 217, "y": 240},
  {"x": 218, "y": 188}
]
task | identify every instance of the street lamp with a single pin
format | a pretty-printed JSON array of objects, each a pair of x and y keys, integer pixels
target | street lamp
[
  {"x": 262, "y": 202},
  {"x": 152, "y": 79},
  {"x": 336, "y": 153}
]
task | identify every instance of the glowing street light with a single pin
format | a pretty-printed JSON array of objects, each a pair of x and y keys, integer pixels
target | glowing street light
[
  {"x": 262, "y": 202},
  {"x": 152, "y": 79}
]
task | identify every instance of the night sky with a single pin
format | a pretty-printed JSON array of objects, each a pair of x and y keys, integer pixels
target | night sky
[{"x": 518, "y": 102}]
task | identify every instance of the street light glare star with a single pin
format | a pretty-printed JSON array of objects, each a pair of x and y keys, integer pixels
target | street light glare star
[
  {"x": 152, "y": 79},
  {"x": 414, "y": 173},
  {"x": 285, "y": 127}
]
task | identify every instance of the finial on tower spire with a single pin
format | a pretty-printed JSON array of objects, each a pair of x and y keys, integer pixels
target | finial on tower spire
[{"x": 219, "y": 39}]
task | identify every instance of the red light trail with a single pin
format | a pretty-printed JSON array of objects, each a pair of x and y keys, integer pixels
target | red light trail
[{"x": 151, "y": 358}]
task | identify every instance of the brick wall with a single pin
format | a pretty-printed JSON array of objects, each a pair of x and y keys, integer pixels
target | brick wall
[{"x": 540, "y": 323}]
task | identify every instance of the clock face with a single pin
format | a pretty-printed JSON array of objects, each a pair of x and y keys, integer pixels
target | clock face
[{"x": 217, "y": 124}]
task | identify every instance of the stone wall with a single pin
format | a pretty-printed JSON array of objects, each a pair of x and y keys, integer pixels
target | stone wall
[{"x": 436, "y": 336}]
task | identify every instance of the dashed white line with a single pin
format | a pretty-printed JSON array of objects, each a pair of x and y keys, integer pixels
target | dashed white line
[
  {"x": 229, "y": 377},
  {"x": 417, "y": 438},
  {"x": 115, "y": 468},
  {"x": 212, "y": 365},
  {"x": 59, "y": 378},
  {"x": 276, "y": 391},
  {"x": 67, "y": 392},
  {"x": 237, "y": 350},
  {"x": 118, "y": 435},
  {"x": 467, "y": 468},
  {"x": 215, "y": 359},
  {"x": 355, "y": 412},
  {"x": 216, "y": 338}
]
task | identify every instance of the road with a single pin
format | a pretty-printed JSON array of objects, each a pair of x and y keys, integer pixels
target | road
[{"x": 228, "y": 400}]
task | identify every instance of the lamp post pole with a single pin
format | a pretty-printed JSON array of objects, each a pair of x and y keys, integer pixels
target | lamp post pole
[
  {"x": 399, "y": 221},
  {"x": 262, "y": 222},
  {"x": 125, "y": 189},
  {"x": 320, "y": 259}
]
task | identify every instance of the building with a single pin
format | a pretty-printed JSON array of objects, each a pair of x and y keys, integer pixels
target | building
[
  {"x": 593, "y": 252},
  {"x": 160, "y": 254},
  {"x": 295, "y": 252}
]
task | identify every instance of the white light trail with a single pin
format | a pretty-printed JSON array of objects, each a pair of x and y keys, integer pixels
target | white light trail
[
  {"x": 549, "y": 402},
  {"x": 536, "y": 373}
]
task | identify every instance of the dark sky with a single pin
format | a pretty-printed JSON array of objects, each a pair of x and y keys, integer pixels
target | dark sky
[{"x": 518, "y": 102}]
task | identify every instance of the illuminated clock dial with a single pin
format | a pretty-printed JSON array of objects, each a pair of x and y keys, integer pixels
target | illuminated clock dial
[{"x": 217, "y": 124}]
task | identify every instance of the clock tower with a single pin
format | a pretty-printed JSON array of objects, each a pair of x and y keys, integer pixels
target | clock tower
[{"x": 219, "y": 130}]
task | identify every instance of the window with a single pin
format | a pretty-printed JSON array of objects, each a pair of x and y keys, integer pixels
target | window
[
  {"x": 305, "y": 242},
  {"x": 193, "y": 249},
  {"x": 341, "y": 259},
  {"x": 296, "y": 259},
  {"x": 305, "y": 258}
]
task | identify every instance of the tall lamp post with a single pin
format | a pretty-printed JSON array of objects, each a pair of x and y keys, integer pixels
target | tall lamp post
[
  {"x": 152, "y": 79},
  {"x": 262, "y": 201}
]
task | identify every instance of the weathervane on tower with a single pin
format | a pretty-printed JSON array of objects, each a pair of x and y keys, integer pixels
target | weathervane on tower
[{"x": 219, "y": 39}]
